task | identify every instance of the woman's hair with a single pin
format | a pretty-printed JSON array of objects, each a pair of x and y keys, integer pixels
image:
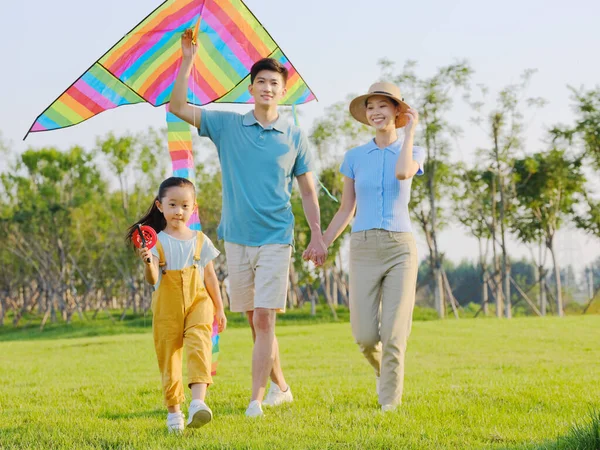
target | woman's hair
[
  {"x": 153, "y": 216},
  {"x": 394, "y": 102}
]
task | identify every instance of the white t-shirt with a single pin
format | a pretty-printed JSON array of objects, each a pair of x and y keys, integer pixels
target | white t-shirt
[{"x": 179, "y": 253}]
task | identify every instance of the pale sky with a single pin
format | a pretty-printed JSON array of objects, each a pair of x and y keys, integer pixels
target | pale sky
[{"x": 335, "y": 45}]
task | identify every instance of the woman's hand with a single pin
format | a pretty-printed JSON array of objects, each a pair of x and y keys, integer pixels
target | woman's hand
[
  {"x": 413, "y": 120},
  {"x": 221, "y": 320}
]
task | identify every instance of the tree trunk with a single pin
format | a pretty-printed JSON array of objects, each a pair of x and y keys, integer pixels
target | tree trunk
[
  {"x": 507, "y": 303},
  {"x": 484, "y": 293},
  {"x": 559, "y": 301},
  {"x": 440, "y": 304},
  {"x": 542, "y": 281}
]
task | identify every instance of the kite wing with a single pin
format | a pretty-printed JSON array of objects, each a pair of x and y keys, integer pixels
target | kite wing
[{"x": 143, "y": 65}]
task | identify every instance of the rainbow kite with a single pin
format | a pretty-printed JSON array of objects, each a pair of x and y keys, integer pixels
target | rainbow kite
[{"x": 143, "y": 65}]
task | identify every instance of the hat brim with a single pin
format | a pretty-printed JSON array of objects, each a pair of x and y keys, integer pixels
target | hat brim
[{"x": 358, "y": 109}]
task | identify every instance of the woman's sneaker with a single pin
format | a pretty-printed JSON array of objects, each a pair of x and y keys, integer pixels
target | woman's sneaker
[
  {"x": 175, "y": 422},
  {"x": 199, "y": 414},
  {"x": 276, "y": 396}
]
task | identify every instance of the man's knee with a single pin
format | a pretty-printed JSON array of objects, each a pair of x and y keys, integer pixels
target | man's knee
[
  {"x": 367, "y": 341},
  {"x": 263, "y": 320}
]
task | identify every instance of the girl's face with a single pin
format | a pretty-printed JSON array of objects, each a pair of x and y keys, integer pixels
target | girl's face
[
  {"x": 381, "y": 112},
  {"x": 177, "y": 206}
]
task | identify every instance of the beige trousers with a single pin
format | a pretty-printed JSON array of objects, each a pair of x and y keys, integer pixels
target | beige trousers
[{"x": 383, "y": 278}]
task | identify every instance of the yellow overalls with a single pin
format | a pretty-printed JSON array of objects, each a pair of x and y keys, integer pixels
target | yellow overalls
[{"x": 182, "y": 312}]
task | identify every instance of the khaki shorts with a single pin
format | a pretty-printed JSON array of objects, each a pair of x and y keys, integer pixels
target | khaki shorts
[{"x": 258, "y": 276}]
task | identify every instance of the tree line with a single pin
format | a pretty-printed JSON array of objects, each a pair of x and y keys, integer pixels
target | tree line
[{"x": 64, "y": 213}]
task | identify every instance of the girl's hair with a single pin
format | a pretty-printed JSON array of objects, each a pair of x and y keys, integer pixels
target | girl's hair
[{"x": 153, "y": 216}]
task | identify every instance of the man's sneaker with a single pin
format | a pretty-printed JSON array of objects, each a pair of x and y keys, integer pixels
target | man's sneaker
[
  {"x": 254, "y": 409},
  {"x": 175, "y": 422},
  {"x": 388, "y": 408},
  {"x": 199, "y": 414},
  {"x": 276, "y": 396}
]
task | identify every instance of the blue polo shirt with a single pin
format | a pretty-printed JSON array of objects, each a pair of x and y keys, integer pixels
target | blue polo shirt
[
  {"x": 258, "y": 167},
  {"x": 381, "y": 199}
]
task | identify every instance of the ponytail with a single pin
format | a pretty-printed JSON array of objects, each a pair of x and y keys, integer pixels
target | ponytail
[{"x": 154, "y": 217}]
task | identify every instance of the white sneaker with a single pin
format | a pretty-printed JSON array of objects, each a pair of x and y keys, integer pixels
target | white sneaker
[
  {"x": 388, "y": 408},
  {"x": 276, "y": 396},
  {"x": 199, "y": 414},
  {"x": 254, "y": 409},
  {"x": 175, "y": 422}
]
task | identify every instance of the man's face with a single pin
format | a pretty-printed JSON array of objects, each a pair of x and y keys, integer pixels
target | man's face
[{"x": 268, "y": 88}]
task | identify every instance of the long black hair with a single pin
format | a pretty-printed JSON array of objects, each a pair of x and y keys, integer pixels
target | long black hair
[{"x": 153, "y": 216}]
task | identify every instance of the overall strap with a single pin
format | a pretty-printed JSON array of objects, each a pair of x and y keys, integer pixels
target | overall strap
[
  {"x": 161, "y": 254},
  {"x": 199, "y": 243}
]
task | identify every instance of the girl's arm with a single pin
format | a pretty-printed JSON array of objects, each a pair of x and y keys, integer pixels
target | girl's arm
[
  {"x": 212, "y": 286},
  {"x": 151, "y": 268},
  {"x": 406, "y": 166},
  {"x": 342, "y": 218}
]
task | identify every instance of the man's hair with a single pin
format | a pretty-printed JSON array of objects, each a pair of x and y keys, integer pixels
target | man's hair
[{"x": 271, "y": 65}]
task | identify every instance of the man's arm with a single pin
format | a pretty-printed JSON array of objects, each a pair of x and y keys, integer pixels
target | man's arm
[
  {"x": 310, "y": 204},
  {"x": 178, "y": 103}
]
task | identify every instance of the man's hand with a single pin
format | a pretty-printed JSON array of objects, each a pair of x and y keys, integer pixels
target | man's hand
[{"x": 188, "y": 46}]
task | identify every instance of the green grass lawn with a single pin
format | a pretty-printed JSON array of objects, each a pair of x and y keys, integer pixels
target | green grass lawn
[{"x": 523, "y": 383}]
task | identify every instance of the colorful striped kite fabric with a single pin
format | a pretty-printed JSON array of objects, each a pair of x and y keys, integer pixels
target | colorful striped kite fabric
[{"x": 143, "y": 65}]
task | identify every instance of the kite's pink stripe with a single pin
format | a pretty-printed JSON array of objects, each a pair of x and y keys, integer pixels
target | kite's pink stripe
[
  {"x": 38, "y": 127},
  {"x": 169, "y": 23},
  {"x": 242, "y": 32},
  {"x": 182, "y": 164},
  {"x": 89, "y": 91},
  {"x": 227, "y": 37},
  {"x": 162, "y": 82}
]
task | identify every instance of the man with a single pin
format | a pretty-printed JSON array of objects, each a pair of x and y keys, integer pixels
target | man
[{"x": 260, "y": 154}]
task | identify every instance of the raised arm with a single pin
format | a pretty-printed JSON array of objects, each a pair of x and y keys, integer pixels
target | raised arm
[
  {"x": 407, "y": 167},
  {"x": 178, "y": 103}
]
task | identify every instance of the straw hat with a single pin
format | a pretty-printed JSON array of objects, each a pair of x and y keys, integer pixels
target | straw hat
[{"x": 358, "y": 106}]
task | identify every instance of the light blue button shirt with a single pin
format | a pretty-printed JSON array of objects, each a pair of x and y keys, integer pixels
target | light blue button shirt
[
  {"x": 258, "y": 166},
  {"x": 381, "y": 199}
]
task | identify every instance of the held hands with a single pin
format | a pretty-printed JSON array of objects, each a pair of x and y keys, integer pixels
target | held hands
[
  {"x": 188, "y": 46},
  {"x": 221, "y": 320},
  {"x": 316, "y": 250},
  {"x": 413, "y": 120}
]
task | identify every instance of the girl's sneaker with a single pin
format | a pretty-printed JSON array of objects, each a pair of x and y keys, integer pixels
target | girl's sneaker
[
  {"x": 175, "y": 422},
  {"x": 199, "y": 414}
]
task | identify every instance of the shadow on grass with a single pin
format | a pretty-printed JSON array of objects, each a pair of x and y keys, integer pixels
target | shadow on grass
[{"x": 581, "y": 437}]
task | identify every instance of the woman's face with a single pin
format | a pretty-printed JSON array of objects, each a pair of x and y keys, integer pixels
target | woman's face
[{"x": 381, "y": 112}]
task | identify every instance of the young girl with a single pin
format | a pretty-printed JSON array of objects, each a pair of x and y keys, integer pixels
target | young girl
[
  {"x": 383, "y": 254},
  {"x": 185, "y": 300}
]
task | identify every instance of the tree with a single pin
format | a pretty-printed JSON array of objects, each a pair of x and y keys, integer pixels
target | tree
[
  {"x": 433, "y": 98},
  {"x": 548, "y": 185}
]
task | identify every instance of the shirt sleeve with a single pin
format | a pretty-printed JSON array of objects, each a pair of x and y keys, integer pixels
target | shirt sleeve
[
  {"x": 208, "y": 252},
  {"x": 304, "y": 160},
  {"x": 347, "y": 168},
  {"x": 419, "y": 157},
  {"x": 212, "y": 123}
]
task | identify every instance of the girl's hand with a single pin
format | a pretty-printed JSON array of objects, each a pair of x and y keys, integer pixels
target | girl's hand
[
  {"x": 145, "y": 254},
  {"x": 413, "y": 120},
  {"x": 221, "y": 320},
  {"x": 188, "y": 47}
]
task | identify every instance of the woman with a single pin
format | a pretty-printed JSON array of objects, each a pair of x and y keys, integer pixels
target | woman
[{"x": 383, "y": 254}]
